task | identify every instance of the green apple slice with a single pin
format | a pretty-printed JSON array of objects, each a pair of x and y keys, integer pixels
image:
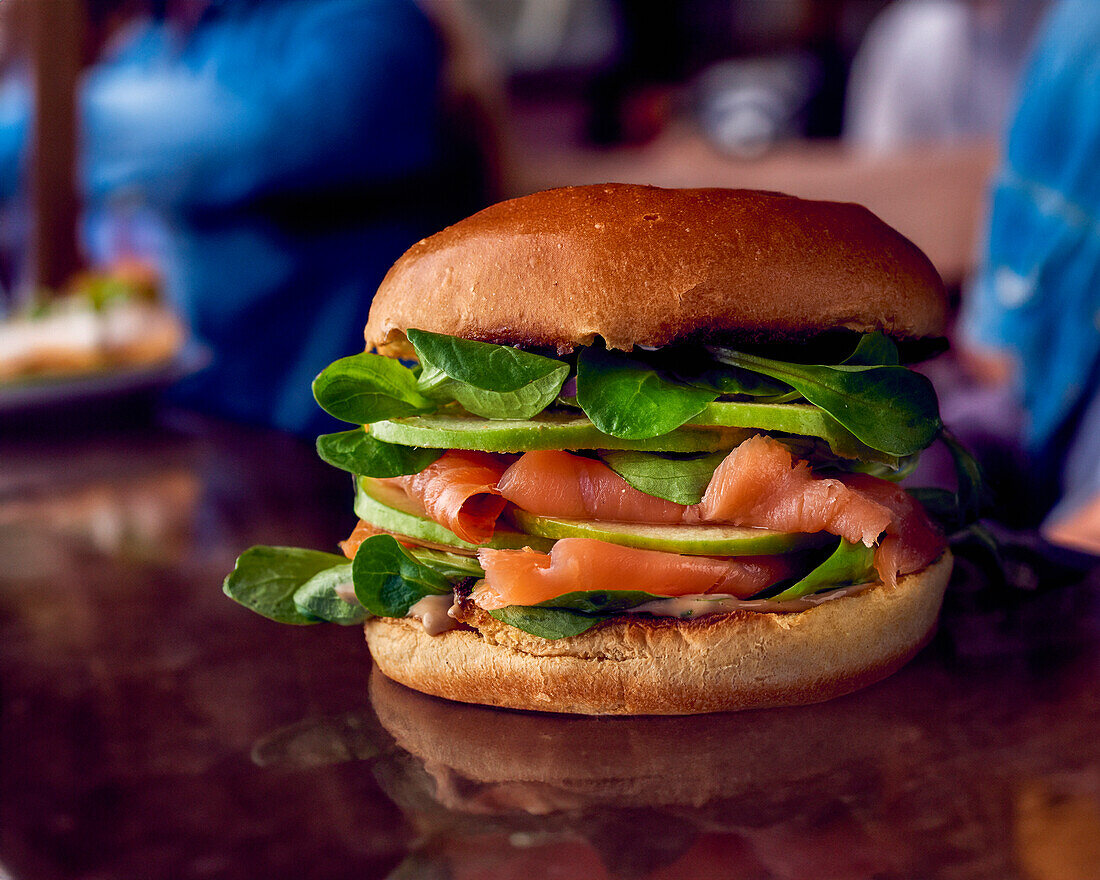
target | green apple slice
[
  {"x": 691, "y": 540},
  {"x": 545, "y": 431},
  {"x": 721, "y": 425},
  {"x": 388, "y": 508},
  {"x": 790, "y": 418}
]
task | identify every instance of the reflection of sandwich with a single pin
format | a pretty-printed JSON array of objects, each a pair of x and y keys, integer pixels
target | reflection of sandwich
[
  {"x": 645, "y": 463},
  {"x": 796, "y": 792},
  {"x": 539, "y": 763},
  {"x": 108, "y": 320},
  {"x": 890, "y": 782},
  {"x": 792, "y": 793}
]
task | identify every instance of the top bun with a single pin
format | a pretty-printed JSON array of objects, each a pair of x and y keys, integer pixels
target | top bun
[{"x": 641, "y": 265}]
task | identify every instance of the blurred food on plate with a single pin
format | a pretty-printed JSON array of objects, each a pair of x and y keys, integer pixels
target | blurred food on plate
[{"x": 106, "y": 319}]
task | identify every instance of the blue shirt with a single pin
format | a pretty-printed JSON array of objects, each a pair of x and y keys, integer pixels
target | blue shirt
[
  {"x": 267, "y": 143},
  {"x": 1038, "y": 291}
]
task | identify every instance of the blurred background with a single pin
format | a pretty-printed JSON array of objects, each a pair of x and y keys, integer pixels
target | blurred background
[
  {"x": 198, "y": 199},
  {"x": 204, "y": 194}
]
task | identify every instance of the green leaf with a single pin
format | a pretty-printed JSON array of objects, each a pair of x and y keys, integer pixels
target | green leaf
[
  {"x": 525, "y": 403},
  {"x": 546, "y": 623},
  {"x": 905, "y": 467},
  {"x": 600, "y": 601},
  {"x": 317, "y": 598},
  {"x": 434, "y": 383},
  {"x": 730, "y": 380},
  {"x": 367, "y": 388},
  {"x": 963, "y": 507},
  {"x": 360, "y": 453},
  {"x": 972, "y": 494},
  {"x": 940, "y": 504},
  {"x": 889, "y": 408},
  {"x": 451, "y": 565},
  {"x": 572, "y": 613},
  {"x": 849, "y": 564},
  {"x": 874, "y": 349},
  {"x": 626, "y": 398},
  {"x": 682, "y": 480},
  {"x": 389, "y": 581},
  {"x": 265, "y": 579},
  {"x": 493, "y": 381}
]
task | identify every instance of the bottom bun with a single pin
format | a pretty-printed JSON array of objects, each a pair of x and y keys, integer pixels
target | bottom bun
[{"x": 670, "y": 666}]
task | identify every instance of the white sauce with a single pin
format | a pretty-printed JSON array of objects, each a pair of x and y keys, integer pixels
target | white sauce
[
  {"x": 713, "y": 603},
  {"x": 346, "y": 592},
  {"x": 435, "y": 613}
]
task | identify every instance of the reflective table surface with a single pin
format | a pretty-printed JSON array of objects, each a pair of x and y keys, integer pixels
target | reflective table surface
[{"x": 151, "y": 728}]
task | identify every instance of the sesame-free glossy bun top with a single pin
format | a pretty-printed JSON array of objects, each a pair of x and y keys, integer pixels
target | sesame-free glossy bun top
[{"x": 641, "y": 265}]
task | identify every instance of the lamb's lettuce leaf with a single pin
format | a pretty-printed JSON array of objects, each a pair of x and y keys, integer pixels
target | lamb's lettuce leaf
[
  {"x": 962, "y": 508},
  {"x": 600, "y": 601},
  {"x": 627, "y": 398},
  {"x": 451, "y": 565},
  {"x": 678, "y": 478},
  {"x": 730, "y": 380},
  {"x": 358, "y": 452},
  {"x": 546, "y": 623},
  {"x": 367, "y": 388},
  {"x": 493, "y": 381},
  {"x": 848, "y": 564},
  {"x": 318, "y": 598},
  {"x": 889, "y": 408},
  {"x": 267, "y": 579},
  {"x": 972, "y": 492},
  {"x": 389, "y": 580},
  {"x": 874, "y": 350}
]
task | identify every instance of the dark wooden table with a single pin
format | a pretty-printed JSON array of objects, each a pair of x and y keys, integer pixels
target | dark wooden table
[{"x": 151, "y": 728}]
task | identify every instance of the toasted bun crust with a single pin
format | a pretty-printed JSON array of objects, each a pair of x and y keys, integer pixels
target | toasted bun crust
[
  {"x": 667, "y": 666},
  {"x": 641, "y": 265}
]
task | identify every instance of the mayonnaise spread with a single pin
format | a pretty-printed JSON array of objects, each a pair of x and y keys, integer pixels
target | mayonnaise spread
[
  {"x": 717, "y": 603},
  {"x": 435, "y": 613}
]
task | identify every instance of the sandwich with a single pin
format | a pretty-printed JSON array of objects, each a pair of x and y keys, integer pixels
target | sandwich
[{"x": 627, "y": 450}]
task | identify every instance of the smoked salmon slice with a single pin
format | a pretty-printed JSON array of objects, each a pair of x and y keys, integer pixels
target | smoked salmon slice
[
  {"x": 760, "y": 484},
  {"x": 527, "y": 577},
  {"x": 557, "y": 483},
  {"x": 459, "y": 490},
  {"x": 912, "y": 540},
  {"x": 359, "y": 534}
]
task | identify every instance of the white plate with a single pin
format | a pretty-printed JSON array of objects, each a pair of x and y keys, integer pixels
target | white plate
[{"x": 46, "y": 393}]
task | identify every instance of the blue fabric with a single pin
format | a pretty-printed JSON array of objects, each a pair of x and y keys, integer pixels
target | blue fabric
[
  {"x": 238, "y": 139},
  {"x": 283, "y": 95},
  {"x": 14, "y": 121},
  {"x": 263, "y": 100},
  {"x": 1038, "y": 291}
]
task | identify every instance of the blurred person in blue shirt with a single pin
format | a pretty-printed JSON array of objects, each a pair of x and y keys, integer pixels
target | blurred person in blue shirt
[
  {"x": 290, "y": 151},
  {"x": 1031, "y": 319}
]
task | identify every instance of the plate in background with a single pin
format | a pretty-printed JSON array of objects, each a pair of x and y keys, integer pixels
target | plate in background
[{"x": 27, "y": 396}]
